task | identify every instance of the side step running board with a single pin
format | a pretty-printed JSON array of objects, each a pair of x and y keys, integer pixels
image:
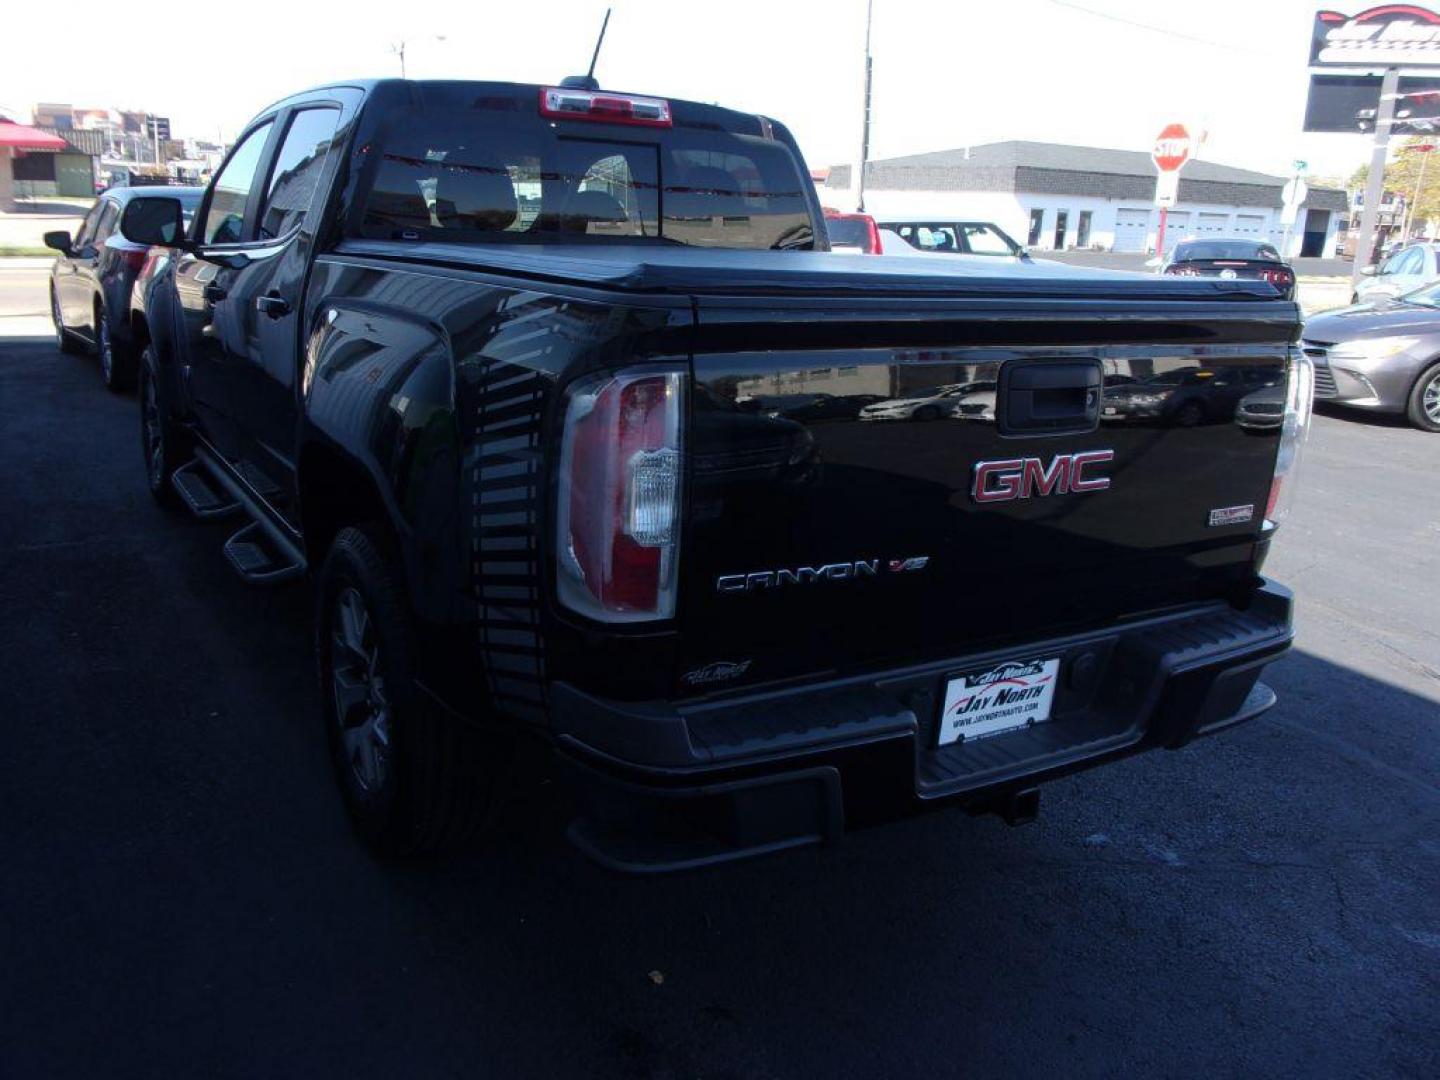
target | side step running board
[
  {"x": 252, "y": 558},
  {"x": 262, "y": 552},
  {"x": 197, "y": 492}
]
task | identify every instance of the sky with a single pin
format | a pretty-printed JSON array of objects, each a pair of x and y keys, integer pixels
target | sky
[{"x": 1091, "y": 72}]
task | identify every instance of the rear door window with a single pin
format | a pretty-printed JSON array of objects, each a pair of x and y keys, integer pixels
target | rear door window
[
  {"x": 295, "y": 176},
  {"x": 225, "y": 216}
]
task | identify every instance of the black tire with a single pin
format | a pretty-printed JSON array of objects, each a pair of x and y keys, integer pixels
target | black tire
[
  {"x": 64, "y": 341},
  {"x": 164, "y": 444},
  {"x": 1423, "y": 408},
  {"x": 414, "y": 780},
  {"x": 117, "y": 369},
  {"x": 1190, "y": 414}
]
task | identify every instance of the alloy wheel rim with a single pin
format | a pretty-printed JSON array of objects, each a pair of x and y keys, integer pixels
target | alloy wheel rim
[
  {"x": 362, "y": 707},
  {"x": 153, "y": 433},
  {"x": 1430, "y": 398}
]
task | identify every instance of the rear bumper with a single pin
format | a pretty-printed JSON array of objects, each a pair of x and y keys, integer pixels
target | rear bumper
[{"x": 666, "y": 787}]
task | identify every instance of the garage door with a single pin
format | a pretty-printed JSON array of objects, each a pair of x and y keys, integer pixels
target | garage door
[
  {"x": 1177, "y": 227},
  {"x": 1250, "y": 225},
  {"x": 1212, "y": 225},
  {"x": 1131, "y": 228}
]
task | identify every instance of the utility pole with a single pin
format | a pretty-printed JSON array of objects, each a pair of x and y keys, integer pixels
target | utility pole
[
  {"x": 399, "y": 50},
  {"x": 864, "y": 117},
  {"x": 1375, "y": 183}
]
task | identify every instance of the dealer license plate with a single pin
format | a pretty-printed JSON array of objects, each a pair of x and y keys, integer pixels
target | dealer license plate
[{"x": 1013, "y": 695}]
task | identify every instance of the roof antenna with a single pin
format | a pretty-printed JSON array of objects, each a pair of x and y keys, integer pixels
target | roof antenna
[{"x": 588, "y": 80}]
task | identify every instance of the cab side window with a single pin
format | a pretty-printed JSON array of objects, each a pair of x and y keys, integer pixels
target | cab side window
[
  {"x": 225, "y": 216},
  {"x": 296, "y": 173}
]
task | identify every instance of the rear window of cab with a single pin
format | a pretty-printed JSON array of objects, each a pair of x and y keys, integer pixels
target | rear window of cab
[{"x": 494, "y": 173}]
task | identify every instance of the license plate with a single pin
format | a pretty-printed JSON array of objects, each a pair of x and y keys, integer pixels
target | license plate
[
  {"x": 1013, "y": 695},
  {"x": 1110, "y": 410}
]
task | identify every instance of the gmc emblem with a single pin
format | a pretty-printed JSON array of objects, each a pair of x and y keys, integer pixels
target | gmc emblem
[{"x": 1020, "y": 478}]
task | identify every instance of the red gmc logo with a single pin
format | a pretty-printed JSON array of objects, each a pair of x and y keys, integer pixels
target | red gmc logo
[{"x": 1020, "y": 478}]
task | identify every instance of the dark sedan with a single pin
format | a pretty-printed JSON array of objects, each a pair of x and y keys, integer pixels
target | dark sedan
[
  {"x": 1383, "y": 356},
  {"x": 91, "y": 280},
  {"x": 1248, "y": 260}
]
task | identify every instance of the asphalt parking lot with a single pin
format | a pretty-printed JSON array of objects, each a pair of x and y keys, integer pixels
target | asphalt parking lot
[{"x": 181, "y": 894}]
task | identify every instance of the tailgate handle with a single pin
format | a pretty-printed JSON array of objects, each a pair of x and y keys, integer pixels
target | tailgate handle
[{"x": 1049, "y": 397}]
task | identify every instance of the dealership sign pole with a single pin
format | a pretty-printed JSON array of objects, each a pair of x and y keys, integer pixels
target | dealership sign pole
[{"x": 1170, "y": 152}]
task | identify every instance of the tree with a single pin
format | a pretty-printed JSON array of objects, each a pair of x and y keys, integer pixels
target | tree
[{"x": 1404, "y": 172}]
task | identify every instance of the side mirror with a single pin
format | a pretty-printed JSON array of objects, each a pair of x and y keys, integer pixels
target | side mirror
[
  {"x": 152, "y": 221},
  {"x": 1368, "y": 271},
  {"x": 59, "y": 240}
]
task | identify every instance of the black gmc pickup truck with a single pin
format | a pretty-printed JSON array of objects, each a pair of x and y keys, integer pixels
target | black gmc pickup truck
[{"x": 557, "y": 394}]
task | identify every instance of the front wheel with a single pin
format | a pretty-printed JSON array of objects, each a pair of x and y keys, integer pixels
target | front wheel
[
  {"x": 1423, "y": 408},
  {"x": 413, "y": 779}
]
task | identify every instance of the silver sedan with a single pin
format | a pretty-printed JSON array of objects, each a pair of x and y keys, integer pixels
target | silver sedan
[{"x": 1383, "y": 356}]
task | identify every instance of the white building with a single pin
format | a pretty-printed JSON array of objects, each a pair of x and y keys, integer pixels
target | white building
[{"x": 1054, "y": 197}]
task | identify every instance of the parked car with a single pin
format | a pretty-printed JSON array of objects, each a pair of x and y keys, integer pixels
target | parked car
[
  {"x": 92, "y": 277},
  {"x": 1247, "y": 260},
  {"x": 1382, "y": 356},
  {"x": 1405, "y": 271},
  {"x": 956, "y": 237},
  {"x": 935, "y": 404},
  {"x": 1264, "y": 410},
  {"x": 474, "y": 355},
  {"x": 1185, "y": 397},
  {"x": 853, "y": 233}
]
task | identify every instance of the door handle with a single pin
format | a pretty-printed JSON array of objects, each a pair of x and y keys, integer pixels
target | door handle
[
  {"x": 273, "y": 304},
  {"x": 214, "y": 294}
]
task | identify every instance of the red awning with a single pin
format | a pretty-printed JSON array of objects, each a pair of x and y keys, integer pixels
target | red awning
[{"x": 20, "y": 137}]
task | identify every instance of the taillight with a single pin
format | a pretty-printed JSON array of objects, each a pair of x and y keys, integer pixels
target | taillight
[
  {"x": 874, "y": 231},
  {"x": 134, "y": 258},
  {"x": 1180, "y": 270},
  {"x": 1281, "y": 279},
  {"x": 1294, "y": 430},
  {"x": 618, "y": 512},
  {"x": 564, "y": 104}
]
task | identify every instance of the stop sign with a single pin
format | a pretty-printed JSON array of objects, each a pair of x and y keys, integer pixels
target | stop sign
[{"x": 1172, "y": 148}]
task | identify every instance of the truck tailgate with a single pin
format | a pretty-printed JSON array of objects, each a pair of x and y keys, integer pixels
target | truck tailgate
[{"x": 835, "y": 523}]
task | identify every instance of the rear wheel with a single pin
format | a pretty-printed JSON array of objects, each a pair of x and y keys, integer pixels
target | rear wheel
[
  {"x": 63, "y": 341},
  {"x": 165, "y": 444},
  {"x": 114, "y": 362},
  {"x": 413, "y": 779},
  {"x": 1423, "y": 408}
]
